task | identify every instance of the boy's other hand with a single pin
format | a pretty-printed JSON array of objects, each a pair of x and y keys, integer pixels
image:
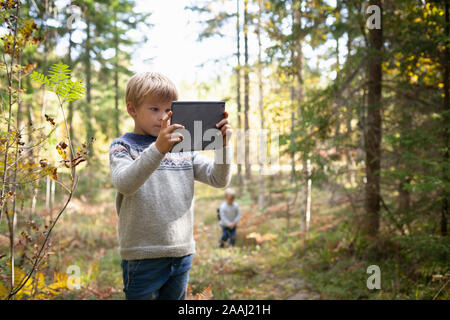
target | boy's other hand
[
  {"x": 225, "y": 128},
  {"x": 167, "y": 137}
]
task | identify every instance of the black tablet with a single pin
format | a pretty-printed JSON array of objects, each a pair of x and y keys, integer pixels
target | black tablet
[{"x": 199, "y": 119}]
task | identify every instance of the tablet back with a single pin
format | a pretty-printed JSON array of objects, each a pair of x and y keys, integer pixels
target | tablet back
[{"x": 197, "y": 117}]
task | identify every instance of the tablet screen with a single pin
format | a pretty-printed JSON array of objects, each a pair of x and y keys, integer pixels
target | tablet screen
[{"x": 198, "y": 118}]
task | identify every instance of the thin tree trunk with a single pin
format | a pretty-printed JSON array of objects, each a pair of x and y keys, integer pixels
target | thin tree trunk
[
  {"x": 44, "y": 62},
  {"x": 10, "y": 219},
  {"x": 374, "y": 130},
  {"x": 246, "y": 95},
  {"x": 299, "y": 98},
  {"x": 446, "y": 111},
  {"x": 405, "y": 124},
  {"x": 31, "y": 155},
  {"x": 44, "y": 68},
  {"x": 47, "y": 193},
  {"x": 294, "y": 61},
  {"x": 116, "y": 77},
  {"x": 261, "y": 112},
  {"x": 404, "y": 196},
  {"x": 5, "y": 187},
  {"x": 90, "y": 132},
  {"x": 338, "y": 64},
  {"x": 238, "y": 93},
  {"x": 70, "y": 63},
  {"x": 304, "y": 226},
  {"x": 352, "y": 164},
  {"x": 13, "y": 220},
  {"x": 292, "y": 153},
  {"x": 52, "y": 197}
]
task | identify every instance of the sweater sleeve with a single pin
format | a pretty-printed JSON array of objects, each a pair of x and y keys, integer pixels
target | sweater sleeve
[
  {"x": 217, "y": 172},
  {"x": 129, "y": 175}
]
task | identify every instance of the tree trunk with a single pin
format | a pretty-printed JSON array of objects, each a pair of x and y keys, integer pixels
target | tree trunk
[
  {"x": 238, "y": 92},
  {"x": 292, "y": 153},
  {"x": 446, "y": 135},
  {"x": 90, "y": 132},
  {"x": 13, "y": 221},
  {"x": 246, "y": 95},
  {"x": 405, "y": 126},
  {"x": 44, "y": 68},
  {"x": 70, "y": 63},
  {"x": 44, "y": 62},
  {"x": 299, "y": 98},
  {"x": 374, "y": 130},
  {"x": 30, "y": 118},
  {"x": 262, "y": 148},
  {"x": 404, "y": 196},
  {"x": 116, "y": 78},
  {"x": 47, "y": 193},
  {"x": 306, "y": 211},
  {"x": 52, "y": 197}
]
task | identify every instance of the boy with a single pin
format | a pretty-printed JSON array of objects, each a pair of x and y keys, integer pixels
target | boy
[
  {"x": 155, "y": 189},
  {"x": 230, "y": 214}
]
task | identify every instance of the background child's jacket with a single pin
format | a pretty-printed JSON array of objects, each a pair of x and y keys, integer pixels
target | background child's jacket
[{"x": 229, "y": 214}]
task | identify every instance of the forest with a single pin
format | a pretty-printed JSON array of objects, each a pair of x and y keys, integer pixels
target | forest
[{"x": 349, "y": 100}]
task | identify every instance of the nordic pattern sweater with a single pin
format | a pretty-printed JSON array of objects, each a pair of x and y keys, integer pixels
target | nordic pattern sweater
[{"x": 154, "y": 199}]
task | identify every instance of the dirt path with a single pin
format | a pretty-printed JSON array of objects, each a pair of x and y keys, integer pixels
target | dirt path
[
  {"x": 304, "y": 295},
  {"x": 261, "y": 266}
]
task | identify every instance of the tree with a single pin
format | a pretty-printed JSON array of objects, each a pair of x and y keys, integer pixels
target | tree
[
  {"x": 262, "y": 148},
  {"x": 446, "y": 120},
  {"x": 287, "y": 52},
  {"x": 111, "y": 31},
  {"x": 215, "y": 20},
  {"x": 248, "y": 168},
  {"x": 374, "y": 128},
  {"x": 238, "y": 88}
]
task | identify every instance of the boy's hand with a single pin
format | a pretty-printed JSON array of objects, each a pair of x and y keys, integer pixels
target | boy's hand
[
  {"x": 225, "y": 129},
  {"x": 167, "y": 138}
]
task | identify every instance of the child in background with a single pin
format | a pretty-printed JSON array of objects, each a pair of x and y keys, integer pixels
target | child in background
[{"x": 230, "y": 213}]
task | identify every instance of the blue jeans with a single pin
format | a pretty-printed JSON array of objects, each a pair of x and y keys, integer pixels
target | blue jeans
[
  {"x": 228, "y": 233},
  {"x": 156, "y": 279}
]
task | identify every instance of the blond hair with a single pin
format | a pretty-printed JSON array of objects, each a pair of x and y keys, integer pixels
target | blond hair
[
  {"x": 230, "y": 192},
  {"x": 150, "y": 83}
]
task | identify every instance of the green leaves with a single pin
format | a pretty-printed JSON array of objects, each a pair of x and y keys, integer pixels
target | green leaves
[
  {"x": 39, "y": 78},
  {"x": 71, "y": 90},
  {"x": 59, "y": 82},
  {"x": 59, "y": 72}
]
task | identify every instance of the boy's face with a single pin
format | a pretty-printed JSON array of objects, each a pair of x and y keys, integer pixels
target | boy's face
[
  {"x": 148, "y": 115},
  {"x": 229, "y": 198}
]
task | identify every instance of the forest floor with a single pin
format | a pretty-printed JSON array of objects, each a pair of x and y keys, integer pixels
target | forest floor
[
  {"x": 271, "y": 259},
  {"x": 262, "y": 265}
]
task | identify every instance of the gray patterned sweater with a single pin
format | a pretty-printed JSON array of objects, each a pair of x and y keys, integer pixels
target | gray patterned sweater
[{"x": 154, "y": 198}]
